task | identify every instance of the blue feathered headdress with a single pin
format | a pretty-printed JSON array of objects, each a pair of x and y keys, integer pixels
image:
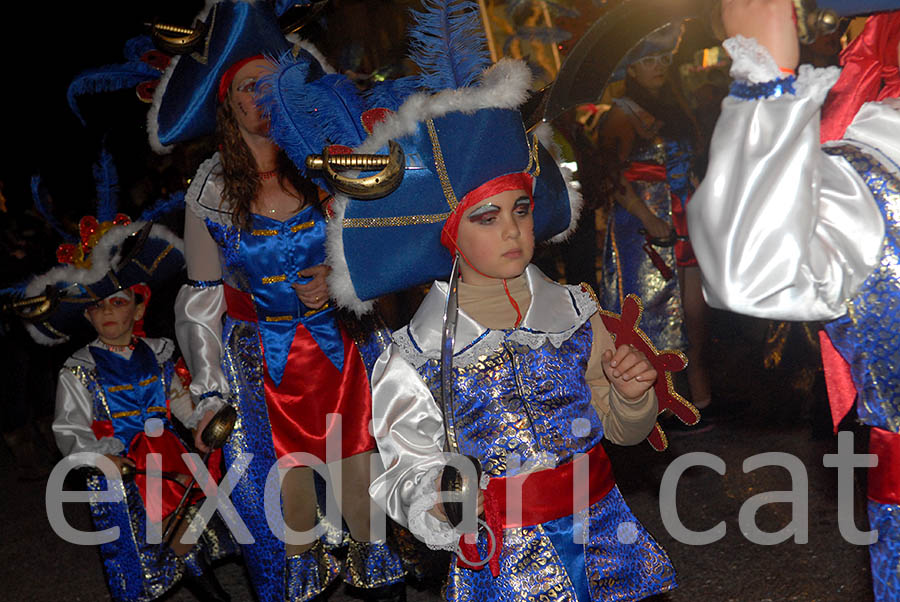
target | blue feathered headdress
[
  {"x": 111, "y": 253},
  {"x": 184, "y": 104}
]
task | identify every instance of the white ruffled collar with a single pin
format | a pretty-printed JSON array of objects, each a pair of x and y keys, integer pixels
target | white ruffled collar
[{"x": 556, "y": 311}]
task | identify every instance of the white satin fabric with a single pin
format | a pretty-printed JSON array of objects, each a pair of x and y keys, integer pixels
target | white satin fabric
[
  {"x": 74, "y": 404},
  {"x": 408, "y": 424},
  {"x": 780, "y": 229},
  {"x": 199, "y": 311}
]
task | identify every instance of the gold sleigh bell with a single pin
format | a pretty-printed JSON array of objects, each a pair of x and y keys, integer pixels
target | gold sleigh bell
[
  {"x": 812, "y": 21},
  {"x": 366, "y": 188}
]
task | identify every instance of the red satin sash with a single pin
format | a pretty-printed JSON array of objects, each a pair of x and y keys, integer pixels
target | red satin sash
[
  {"x": 311, "y": 388},
  {"x": 546, "y": 495},
  {"x": 170, "y": 447},
  {"x": 884, "y": 479},
  {"x": 654, "y": 172}
]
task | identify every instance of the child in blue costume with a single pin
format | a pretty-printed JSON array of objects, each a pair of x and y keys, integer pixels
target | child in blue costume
[
  {"x": 117, "y": 397},
  {"x": 529, "y": 384},
  {"x": 255, "y": 320}
]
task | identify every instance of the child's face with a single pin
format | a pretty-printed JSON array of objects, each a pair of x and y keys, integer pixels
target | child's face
[
  {"x": 113, "y": 317},
  {"x": 497, "y": 237}
]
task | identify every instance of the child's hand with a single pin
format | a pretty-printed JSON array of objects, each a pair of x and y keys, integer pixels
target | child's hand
[
  {"x": 770, "y": 22},
  {"x": 437, "y": 510},
  {"x": 120, "y": 462},
  {"x": 629, "y": 371}
]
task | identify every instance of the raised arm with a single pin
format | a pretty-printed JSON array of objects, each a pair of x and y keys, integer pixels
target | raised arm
[{"x": 781, "y": 229}]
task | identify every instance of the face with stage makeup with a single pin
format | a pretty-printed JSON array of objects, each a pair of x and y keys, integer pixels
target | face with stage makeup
[
  {"x": 496, "y": 238},
  {"x": 242, "y": 97},
  {"x": 114, "y": 317}
]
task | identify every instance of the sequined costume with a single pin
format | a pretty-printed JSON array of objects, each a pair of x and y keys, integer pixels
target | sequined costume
[
  {"x": 311, "y": 368},
  {"x": 521, "y": 399},
  {"x": 658, "y": 169},
  {"x": 104, "y": 400},
  {"x": 787, "y": 229}
]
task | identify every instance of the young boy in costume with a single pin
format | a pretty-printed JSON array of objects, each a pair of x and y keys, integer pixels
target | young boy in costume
[
  {"x": 536, "y": 379},
  {"x": 796, "y": 219},
  {"x": 117, "y": 397}
]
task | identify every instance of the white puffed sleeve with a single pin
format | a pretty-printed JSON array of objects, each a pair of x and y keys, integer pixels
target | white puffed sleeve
[
  {"x": 198, "y": 319},
  {"x": 781, "y": 230},
  {"x": 408, "y": 428},
  {"x": 73, "y": 418}
]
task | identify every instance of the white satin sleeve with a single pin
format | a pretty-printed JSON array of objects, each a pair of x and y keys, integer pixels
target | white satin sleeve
[
  {"x": 781, "y": 230},
  {"x": 198, "y": 319},
  {"x": 73, "y": 418},
  {"x": 408, "y": 428}
]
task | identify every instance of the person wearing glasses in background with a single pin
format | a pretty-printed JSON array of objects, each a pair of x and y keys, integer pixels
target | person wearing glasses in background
[{"x": 649, "y": 141}]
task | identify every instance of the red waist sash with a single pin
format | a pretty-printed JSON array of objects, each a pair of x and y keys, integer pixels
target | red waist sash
[
  {"x": 884, "y": 479},
  {"x": 240, "y": 305},
  {"x": 546, "y": 495}
]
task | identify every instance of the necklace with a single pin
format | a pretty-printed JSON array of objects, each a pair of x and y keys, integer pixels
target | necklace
[
  {"x": 267, "y": 175},
  {"x": 118, "y": 348}
]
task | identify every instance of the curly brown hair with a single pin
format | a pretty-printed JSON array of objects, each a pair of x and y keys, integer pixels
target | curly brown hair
[{"x": 241, "y": 173}]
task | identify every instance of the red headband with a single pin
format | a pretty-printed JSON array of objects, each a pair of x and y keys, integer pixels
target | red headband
[
  {"x": 228, "y": 76},
  {"x": 870, "y": 72},
  {"x": 144, "y": 291},
  {"x": 513, "y": 181}
]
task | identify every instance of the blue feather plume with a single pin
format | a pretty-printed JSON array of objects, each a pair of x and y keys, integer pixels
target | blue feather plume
[
  {"x": 305, "y": 116},
  {"x": 161, "y": 207},
  {"x": 108, "y": 78},
  {"x": 40, "y": 203},
  {"x": 106, "y": 179},
  {"x": 447, "y": 43},
  {"x": 137, "y": 46},
  {"x": 390, "y": 94}
]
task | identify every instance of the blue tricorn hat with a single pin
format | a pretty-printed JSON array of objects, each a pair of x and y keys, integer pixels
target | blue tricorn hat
[
  {"x": 453, "y": 142},
  {"x": 124, "y": 255},
  {"x": 184, "y": 104},
  {"x": 846, "y": 8}
]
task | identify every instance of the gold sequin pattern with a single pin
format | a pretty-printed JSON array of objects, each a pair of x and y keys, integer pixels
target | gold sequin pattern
[
  {"x": 452, "y": 201},
  {"x": 393, "y": 222}
]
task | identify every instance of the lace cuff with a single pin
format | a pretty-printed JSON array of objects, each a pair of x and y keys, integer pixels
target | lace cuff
[
  {"x": 435, "y": 533},
  {"x": 204, "y": 405},
  {"x": 751, "y": 61}
]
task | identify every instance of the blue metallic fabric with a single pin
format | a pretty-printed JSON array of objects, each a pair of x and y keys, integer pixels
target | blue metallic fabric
[
  {"x": 495, "y": 418},
  {"x": 133, "y": 388},
  {"x": 868, "y": 335},
  {"x": 203, "y": 283},
  {"x": 536, "y": 403},
  {"x": 885, "y": 553},
  {"x": 370, "y": 565},
  {"x": 264, "y": 262},
  {"x": 627, "y": 268},
  {"x": 243, "y": 366},
  {"x": 772, "y": 89},
  {"x": 133, "y": 571},
  {"x": 309, "y": 573}
]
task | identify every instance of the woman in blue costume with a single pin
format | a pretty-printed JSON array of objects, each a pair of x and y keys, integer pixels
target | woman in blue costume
[
  {"x": 650, "y": 143},
  {"x": 256, "y": 321},
  {"x": 529, "y": 353}
]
